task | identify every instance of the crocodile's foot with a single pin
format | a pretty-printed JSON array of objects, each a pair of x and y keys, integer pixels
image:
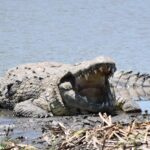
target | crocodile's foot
[
  {"x": 89, "y": 89},
  {"x": 29, "y": 108},
  {"x": 131, "y": 106},
  {"x": 128, "y": 105}
]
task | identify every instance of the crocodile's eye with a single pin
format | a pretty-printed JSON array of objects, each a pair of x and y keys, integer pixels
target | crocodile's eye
[
  {"x": 12, "y": 88},
  {"x": 69, "y": 78},
  {"x": 1, "y": 93},
  {"x": 8, "y": 91},
  {"x": 9, "y": 86}
]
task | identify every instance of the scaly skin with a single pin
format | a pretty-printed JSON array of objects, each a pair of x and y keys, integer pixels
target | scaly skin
[
  {"x": 130, "y": 87},
  {"x": 130, "y": 78},
  {"x": 32, "y": 83},
  {"x": 46, "y": 89}
]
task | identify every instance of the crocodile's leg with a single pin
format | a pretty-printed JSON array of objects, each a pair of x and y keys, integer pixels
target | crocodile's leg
[
  {"x": 129, "y": 88},
  {"x": 28, "y": 108},
  {"x": 38, "y": 107},
  {"x": 48, "y": 104},
  {"x": 126, "y": 99}
]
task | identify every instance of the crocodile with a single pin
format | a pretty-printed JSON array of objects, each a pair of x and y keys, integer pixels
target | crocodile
[{"x": 50, "y": 88}]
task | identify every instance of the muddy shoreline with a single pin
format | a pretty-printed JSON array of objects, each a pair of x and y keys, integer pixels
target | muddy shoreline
[{"x": 31, "y": 130}]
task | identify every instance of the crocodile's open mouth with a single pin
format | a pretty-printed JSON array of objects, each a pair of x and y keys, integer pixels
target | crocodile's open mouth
[
  {"x": 93, "y": 85},
  {"x": 90, "y": 87}
]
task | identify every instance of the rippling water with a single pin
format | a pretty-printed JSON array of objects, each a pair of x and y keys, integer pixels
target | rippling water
[{"x": 73, "y": 30}]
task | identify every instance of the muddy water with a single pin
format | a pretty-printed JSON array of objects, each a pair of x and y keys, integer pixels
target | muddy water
[
  {"x": 24, "y": 129},
  {"x": 30, "y": 130}
]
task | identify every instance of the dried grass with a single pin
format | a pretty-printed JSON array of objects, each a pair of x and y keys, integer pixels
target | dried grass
[{"x": 107, "y": 135}]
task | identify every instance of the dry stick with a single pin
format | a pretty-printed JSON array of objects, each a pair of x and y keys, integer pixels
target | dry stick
[
  {"x": 128, "y": 130},
  {"x": 110, "y": 119},
  {"x": 10, "y": 148},
  {"x": 70, "y": 140},
  {"x": 104, "y": 120},
  {"x": 121, "y": 139},
  {"x": 145, "y": 138},
  {"x": 112, "y": 141},
  {"x": 106, "y": 130},
  {"x": 104, "y": 140},
  {"x": 122, "y": 132},
  {"x": 111, "y": 135},
  {"x": 95, "y": 142},
  {"x": 107, "y": 127},
  {"x": 79, "y": 140},
  {"x": 87, "y": 135},
  {"x": 108, "y": 135}
]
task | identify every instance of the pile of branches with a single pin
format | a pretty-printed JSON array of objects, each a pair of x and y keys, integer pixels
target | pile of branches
[{"x": 106, "y": 136}]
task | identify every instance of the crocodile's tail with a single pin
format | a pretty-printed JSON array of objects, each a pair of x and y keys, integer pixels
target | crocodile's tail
[
  {"x": 130, "y": 87},
  {"x": 130, "y": 79}
]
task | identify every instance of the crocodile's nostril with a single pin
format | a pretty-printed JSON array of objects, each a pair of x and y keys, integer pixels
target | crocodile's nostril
[
  {"x": 8, "y": 91},
  {"x": 1, "y": 93},
  {"x": 9, "y": 86}
]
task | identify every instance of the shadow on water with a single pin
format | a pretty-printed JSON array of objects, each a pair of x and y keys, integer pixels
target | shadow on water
[{"x": 17, "y": 128}]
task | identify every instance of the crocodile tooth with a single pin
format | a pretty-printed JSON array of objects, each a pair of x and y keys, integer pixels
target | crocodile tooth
[
  {"x": 101, "y": 69},
  {"x": 103, "y": 104},
  {"x": 110, "y": 96},
  {"x": 113, "y": 70},
  {"x": 79, "y": 77},
  {"x": 106, "y": 104},
  {"x": 86, "y": 77},
  {"x": 110, "y": 102},
  {"x": 85, "y": 98},
  {"x": 109, "y": 68},
  {"x": 95, "y": 71}
]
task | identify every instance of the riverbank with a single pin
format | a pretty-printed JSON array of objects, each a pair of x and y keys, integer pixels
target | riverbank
[{"x": 77, "y": 132}]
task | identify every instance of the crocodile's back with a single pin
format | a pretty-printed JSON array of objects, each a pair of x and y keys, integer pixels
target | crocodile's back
[
  {"x": 36, "y": 70},
  {"x": 130, "y": 79},
  {"x": 29, "y": 81}
]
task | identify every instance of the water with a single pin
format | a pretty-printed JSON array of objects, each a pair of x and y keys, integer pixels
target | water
[
  {"x": 145, "y": 105},
  {"x": 74, "y": 30}
]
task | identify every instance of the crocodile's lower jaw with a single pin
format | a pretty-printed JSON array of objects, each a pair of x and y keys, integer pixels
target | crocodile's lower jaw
[{"x": 73, "y": 100}]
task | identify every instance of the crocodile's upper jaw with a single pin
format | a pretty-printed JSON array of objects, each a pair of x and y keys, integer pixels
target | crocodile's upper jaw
[{"x": 91, "y": 83}]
